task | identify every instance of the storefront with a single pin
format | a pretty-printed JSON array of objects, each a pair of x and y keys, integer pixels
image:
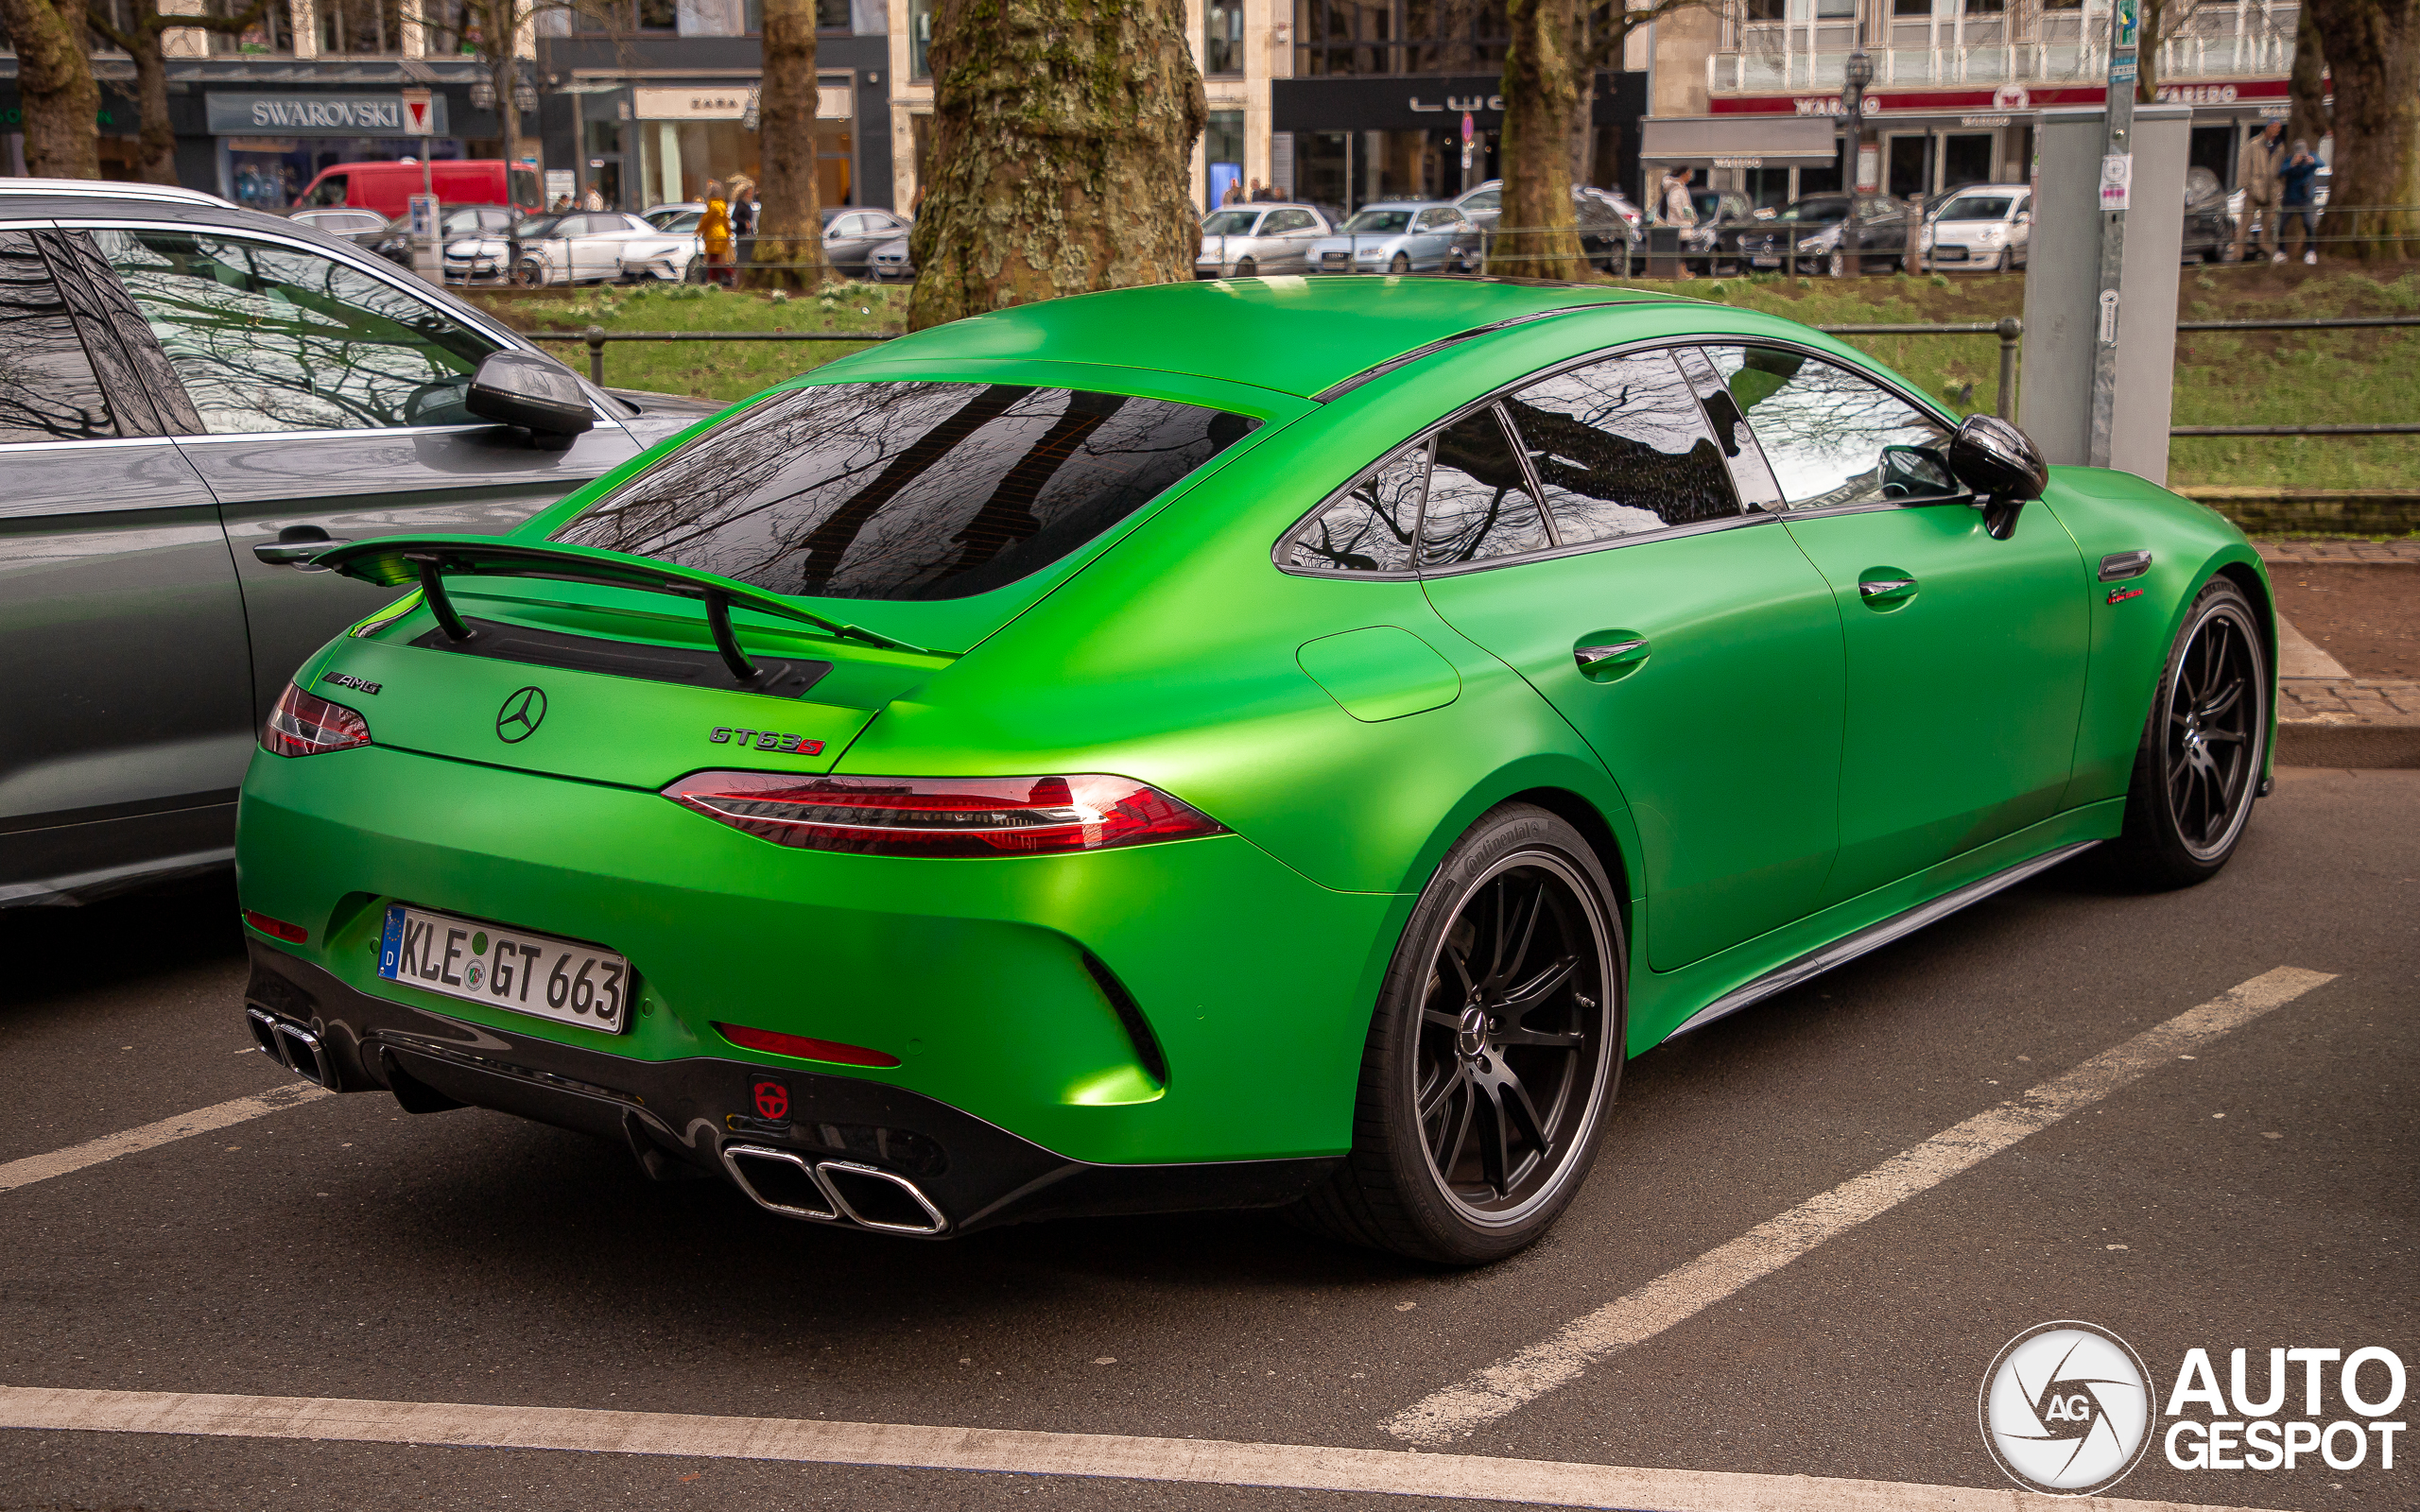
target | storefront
[
  {"x": 1343, "y": 142},
  {"x": 270, "y": 147},
  {"x": 1924, "y": 142}
]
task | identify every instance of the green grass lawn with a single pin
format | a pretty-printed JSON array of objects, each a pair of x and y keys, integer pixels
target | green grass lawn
[{"x": 2257, "y": 378}]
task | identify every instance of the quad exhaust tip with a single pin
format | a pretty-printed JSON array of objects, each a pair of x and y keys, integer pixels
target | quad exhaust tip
[
  {"x": 793, "y": 1185},
  {"x": 292, "y": 1047}
]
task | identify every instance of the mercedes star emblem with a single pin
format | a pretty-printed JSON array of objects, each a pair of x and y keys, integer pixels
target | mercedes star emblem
[{"x": 521, "y": 715}]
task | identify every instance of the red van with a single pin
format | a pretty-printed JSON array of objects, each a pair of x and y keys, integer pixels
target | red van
[{"x": 387, "y": 187}]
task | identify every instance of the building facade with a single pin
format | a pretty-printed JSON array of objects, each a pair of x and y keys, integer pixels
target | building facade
[
  {"x": 1749, "y": 97},
  {"x": 1337, "y": 102}
]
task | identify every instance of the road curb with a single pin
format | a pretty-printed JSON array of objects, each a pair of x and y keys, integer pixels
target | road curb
[
  {"x": 2313, "y": 743},
  {"x": 2349, "y": 722}
]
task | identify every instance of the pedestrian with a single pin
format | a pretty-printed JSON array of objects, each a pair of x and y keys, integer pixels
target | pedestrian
[
  {"x": 714, "y": 231},
  {"x": 1260, "y": 196},
  {"x": 595, "y": 199},
  {"x": 743, "y": 212},
  {"x": 2294, "y": 200},
  {"x": 1678, "y": 210},
  {"x": 1235, "y": 195},
  {"x": 2255, "y": 174},
  {"x": 562, "y": 203}
]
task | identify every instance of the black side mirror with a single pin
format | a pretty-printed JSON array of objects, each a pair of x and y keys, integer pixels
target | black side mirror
[
  {"x": 2004, "y": 467},
  {"x": 533, "y": 392}
]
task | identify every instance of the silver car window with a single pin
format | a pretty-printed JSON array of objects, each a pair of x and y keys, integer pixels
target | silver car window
[
  {"x": 1620, "y": 448},
  {"x": 1831, "y": 436},
  {"x": 274, "y": 338}
]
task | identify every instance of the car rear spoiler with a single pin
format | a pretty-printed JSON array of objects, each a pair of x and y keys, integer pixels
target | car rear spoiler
[{"x": 395, "y": 561}]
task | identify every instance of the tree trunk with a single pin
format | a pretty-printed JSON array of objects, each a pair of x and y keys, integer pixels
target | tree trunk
[
  {"x": 60, "y": 100},
  {"x": 789, "y": 223},
  {"x": 2154, "y": 18},
  {"x": 1538, "y": 234},
  {"x": 159, "y": 147},
  {"x": 2374, "y": 60},
  {"x": 2308, "y": 121},
  {"x": 1064, "y": 134}
]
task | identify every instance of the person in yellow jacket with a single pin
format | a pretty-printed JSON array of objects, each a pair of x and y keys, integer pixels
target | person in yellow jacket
[{"x": 714, "y": 230}]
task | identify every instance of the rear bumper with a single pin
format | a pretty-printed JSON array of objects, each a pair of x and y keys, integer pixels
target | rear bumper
[{"x": 681, "y": 1116}]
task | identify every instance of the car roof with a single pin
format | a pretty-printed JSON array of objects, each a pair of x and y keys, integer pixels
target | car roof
[
  {"x": 1408, "y": 204},
  {"x": 112, "y": 189},
  {"x": 1297, "y": 335},
  {"x": 1990, "y": 189}
]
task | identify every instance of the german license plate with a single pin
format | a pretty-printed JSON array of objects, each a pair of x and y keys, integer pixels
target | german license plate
[
  {"x": 1766, "y": 261},
  {"x": 537, "y": 974}
]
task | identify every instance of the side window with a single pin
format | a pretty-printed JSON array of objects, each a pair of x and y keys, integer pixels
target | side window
[
  {"x": 1620, "y": 447},
  {"x": 848, "y": 225},
  {"x": 1368, "y": 530},
  {"x": 1478, "y": 501},
  {"x": 1749, "y": 473},
  {"x": 275, "y": 338},
  {"x": 47, "y": 389},
  {"x": 1831, "y": 436}
]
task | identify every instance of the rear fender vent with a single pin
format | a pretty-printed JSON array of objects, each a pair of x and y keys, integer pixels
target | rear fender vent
[{"x": 1130, "y": 1014}]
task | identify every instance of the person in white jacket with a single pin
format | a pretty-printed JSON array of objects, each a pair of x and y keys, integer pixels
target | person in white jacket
[{"x": 1678, "y": 208}]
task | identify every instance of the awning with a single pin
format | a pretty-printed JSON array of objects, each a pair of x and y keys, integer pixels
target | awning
[{"x": 1739, "y": 140}]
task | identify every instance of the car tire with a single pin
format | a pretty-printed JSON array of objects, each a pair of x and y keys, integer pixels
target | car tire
[
  {"x": 2197, "y": 768},
  {"x": 1400, "y": 263},
  {"x": 531, "y": 274},
  {"x": 1837, "y": 266},
  {"x": 1247, "y": 268},
  {"x": 1467, "y": 1147}
]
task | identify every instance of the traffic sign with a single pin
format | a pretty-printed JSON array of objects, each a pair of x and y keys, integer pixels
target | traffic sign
[{"x": 419, "y": 118}]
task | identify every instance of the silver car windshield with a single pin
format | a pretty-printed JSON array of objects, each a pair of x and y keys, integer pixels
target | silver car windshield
[
  {"x": 1230, "y": 223},
  {"x": 1379, "y": 220}
]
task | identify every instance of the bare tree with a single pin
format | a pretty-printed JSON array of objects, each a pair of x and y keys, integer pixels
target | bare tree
[
  {"x": 2374, "y": 60},
  {"x": 1063, "y": 133},
  {"x": 142, "y": 40},
  {"x": 789, "y": 232},
  {"x": 490, "y": 30},
  {"x": 54, "y": 87}
]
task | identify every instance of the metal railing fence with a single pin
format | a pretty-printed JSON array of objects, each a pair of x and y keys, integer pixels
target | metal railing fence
[{"x": 2009, "y": 328}]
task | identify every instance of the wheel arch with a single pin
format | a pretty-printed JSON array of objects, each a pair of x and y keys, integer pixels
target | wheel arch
[{"x": 1581, "y": 794}]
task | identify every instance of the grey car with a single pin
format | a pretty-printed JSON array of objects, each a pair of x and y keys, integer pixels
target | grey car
[
  {"x": 1245, "y": 241},
  {"x": 195, "y": 399},
  {"x": 1401, "y": 236}
]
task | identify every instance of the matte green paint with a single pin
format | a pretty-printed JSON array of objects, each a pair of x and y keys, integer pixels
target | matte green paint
[
  {"x": 1784, "y": 767},
  {"x": 1380, "y": 672}
]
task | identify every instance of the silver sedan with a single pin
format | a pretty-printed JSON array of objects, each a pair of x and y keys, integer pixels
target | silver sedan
[
  {"x": 1402, "y": 237},
  {"x": 1245, "y": 241}
]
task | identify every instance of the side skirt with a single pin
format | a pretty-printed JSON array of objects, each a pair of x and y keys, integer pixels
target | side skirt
[{"x": 1873, "y": 936}]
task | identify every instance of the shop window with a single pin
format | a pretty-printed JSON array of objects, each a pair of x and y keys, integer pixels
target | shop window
[
  {"x": 830, "y": 16},
  {"x": 1835, "y": 10},
  {"x": 1986, "y": 8},
  {"x": 1222, "y": 37},
  {"x": 271, "y": 31},
  {"x": 1398, "y": 36},
  {"x": 1768, "y": 9},
  {"x": 1917, "y": 9},
  {"x": 1222, "y": 156},
  {"x": 920, "y": 38},
  {"x": 360, "y": 26}
]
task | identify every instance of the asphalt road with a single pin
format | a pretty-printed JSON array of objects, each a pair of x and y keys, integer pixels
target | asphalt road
[{"x": 2259, "y": 1194}]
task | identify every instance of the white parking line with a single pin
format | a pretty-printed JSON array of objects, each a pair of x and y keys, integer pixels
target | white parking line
[
  {"x": 1393, "y": 1472},
  {"x": 1680, "y": 1295},
  {"x": 110, "y": 1147}
]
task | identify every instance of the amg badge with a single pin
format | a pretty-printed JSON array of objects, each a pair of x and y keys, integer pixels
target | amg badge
[
  {"x": 765, "y": 740},
  {"x": 346, "y": 680}
]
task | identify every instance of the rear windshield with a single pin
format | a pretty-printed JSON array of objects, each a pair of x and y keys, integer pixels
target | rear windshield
[{"x": 905, "y": 490}]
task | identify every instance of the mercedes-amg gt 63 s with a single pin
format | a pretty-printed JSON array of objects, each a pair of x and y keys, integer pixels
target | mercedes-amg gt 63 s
[{"x": 1244, "y": 743}]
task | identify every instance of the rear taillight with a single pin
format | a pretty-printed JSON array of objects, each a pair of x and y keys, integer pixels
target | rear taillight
[
  {"x": 942, "y": 816},
  {"x": 775, "y": 1042},
  {"x": 303, "y": 725}
]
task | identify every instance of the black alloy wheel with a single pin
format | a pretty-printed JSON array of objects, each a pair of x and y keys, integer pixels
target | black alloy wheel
[
  {"x": 1495, "y": 1049},
  {"x": 2199, "y": 767},
  {"x": 1401, "y": 264},
  {"x": 1510, "y": 1031}
]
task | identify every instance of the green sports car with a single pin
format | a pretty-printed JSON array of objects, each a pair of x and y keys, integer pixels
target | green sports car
[{"x": 1252, "y": 743}]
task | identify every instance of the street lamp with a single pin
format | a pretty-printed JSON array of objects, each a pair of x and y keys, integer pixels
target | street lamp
[
  {"x": 525, "y": 97},
  {"x": 1855, "y": 76},
  {"x": 482, "y": 95}
]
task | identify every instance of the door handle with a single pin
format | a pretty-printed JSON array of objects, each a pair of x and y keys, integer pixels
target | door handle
[
  {"x": 1608, "y": 659},
  {"x": 1885, "y": 588},
  {"x": 295, "y": 547}
]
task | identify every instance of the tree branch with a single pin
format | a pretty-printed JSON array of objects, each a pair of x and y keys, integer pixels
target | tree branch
[{"x": 1605, "y": 43}]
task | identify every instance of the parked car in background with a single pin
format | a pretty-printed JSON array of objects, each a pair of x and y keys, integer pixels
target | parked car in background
[
  {"x": 851, "y": 234},
  {"x": 1814, "y": 226},
  {"x": 1710, "y": 243},
  {"x": 1604, "y": 233},
  {"x": 661, "y": 217},
  {"x": 890, "y": 260},
  {"x": 387, "y": 187},
  {"x": 197, "y": 396},
  {"x": 1401, "y": 236},
  {"x": 1245, "y": 241},
  {"x": 676, "y": 253},
  {"x": 1982, "y": 228},
  {"x": 584, "y": 247},
  {"x": 455, "y": 223}
]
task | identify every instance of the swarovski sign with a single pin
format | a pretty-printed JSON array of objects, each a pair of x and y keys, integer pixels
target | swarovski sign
[{"x": 372, "y": 115}]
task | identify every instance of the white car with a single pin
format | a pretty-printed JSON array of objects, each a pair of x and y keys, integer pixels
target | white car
[
  {"x": 582, "y": 246},
  {"x": 673, "y": 253},
  {"x": 1983, "y": 228}
]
